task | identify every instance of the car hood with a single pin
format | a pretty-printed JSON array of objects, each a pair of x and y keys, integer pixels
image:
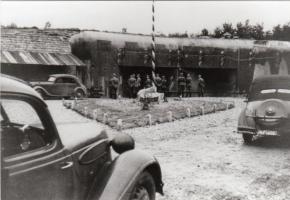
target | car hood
[{"x": 77, "y": 135}]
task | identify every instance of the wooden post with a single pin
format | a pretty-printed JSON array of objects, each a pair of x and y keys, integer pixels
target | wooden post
[
  {"x": 214, "y": 108},
  {"x": 73, "y": 105},
  {"x": 105, "y": 118},
  {"x": 188, "y": 113},
  {"x": 119, "y": 124},
  {"x": 149, "y": 119},
  {"x": 95, "y": 114},
  {"x": 169, "y": 116},
  {"x": 202, "y": 110},
  {"x": 86, "y": 111}
]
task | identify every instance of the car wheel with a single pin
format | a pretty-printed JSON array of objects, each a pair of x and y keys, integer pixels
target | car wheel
[
  {"x": 79, "y": 94},
  {"x": 248, "y": 138},
  {"x": 143, "y": 188}
]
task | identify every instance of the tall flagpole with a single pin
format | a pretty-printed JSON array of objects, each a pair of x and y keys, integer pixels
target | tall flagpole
[
  {"x": 146, "y": 101},
  {"x": 153, "y": 40}
]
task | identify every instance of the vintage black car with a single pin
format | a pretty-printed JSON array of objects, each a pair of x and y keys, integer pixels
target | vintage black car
[
  {"x": 44, "y": 161},
  {"x": 268, "y": 108},
  {"x": 60, "y": 85}
]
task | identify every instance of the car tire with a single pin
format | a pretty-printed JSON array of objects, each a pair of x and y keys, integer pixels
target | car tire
[
  {"x": 79, "y": 94},
  {"x": 248, "y": 138},
  {"x": 143, "y": 188}
]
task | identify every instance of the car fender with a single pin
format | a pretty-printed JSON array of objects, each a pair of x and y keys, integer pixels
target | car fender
[
  {"x": 245, "y": 123},
  {"x": 80, "y": 88},
  {"x": 123, "y": 172},
  {"x": 41, "y": 88},
  {"x": 242, "y": 118}
]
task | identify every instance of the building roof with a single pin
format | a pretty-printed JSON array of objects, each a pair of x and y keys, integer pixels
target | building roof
[
  {"x": 34, "y": 46},
  {"x": 144, "y": 41}
]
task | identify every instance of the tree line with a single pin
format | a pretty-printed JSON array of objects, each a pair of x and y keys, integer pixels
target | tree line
[{"x": 243, "y": 31}]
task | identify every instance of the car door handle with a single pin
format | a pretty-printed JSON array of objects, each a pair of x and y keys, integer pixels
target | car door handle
[{"x": 66, "y": 165}]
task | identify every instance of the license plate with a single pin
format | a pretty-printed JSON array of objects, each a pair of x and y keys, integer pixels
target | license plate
[{"x": 267, "y": 132}]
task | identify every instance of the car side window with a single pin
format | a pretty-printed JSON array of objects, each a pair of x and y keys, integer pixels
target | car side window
[
  {"x": 59, "y": 80},
  {"x": 21, "y": 128},
  {"x": 69, "y": 80}
]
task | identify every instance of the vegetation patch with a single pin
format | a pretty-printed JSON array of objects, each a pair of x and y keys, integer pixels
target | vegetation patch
[{"x": 128, "y": 113}]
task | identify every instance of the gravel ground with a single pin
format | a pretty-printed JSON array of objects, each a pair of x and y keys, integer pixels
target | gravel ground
[{"x": 204, "y": 158}]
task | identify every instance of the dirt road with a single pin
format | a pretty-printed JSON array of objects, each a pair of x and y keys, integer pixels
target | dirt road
[{"x": 203, "y": 158}]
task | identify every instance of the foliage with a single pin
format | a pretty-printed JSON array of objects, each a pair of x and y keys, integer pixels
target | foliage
[
  {"x": 178, "y": 35},
  {"x": 218, "y": 32},
  {"x": 204, "y": 32},
  {"x": 247, "y": 31},
  {"x": 281, "y": 32},
  {"x": 12, "y": 25}
]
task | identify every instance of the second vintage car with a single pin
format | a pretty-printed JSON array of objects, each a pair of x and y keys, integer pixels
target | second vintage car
[
  {"x": 41, "y": 160},
  {"x": 268, "y": 108},
  {"x": 60, "y": 85}
]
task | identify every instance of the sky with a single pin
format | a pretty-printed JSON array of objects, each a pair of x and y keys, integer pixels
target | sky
[{"x": 136, "y": 16}]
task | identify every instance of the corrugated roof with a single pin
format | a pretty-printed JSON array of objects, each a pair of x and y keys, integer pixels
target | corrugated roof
[
  {"x": 34, "y": 46},
  {"x": 33, "y": 40},
  {"x": 24, "y": 57}
]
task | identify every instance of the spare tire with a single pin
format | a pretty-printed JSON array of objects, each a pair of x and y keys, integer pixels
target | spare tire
[{"x": 271, "y": 113}]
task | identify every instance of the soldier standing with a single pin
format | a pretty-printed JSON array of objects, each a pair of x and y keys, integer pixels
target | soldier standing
[
  {"x": 164, "y": 87},
  {"x": 181, "y": 85},
  {"x": 138, "y": 83},
  {"x": 158, "y": 82},
  {"x": 148, "y": 82},
  {"x": 201, "y": 86},
  {"x": 171, "y": 84},
  {"x": 131, "y": 83},
  {"x": 188, "y": 85},
  {"x": 114, "y": 84}
]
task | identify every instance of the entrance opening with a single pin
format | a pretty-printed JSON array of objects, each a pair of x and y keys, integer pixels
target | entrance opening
[{"x": 219, "y": 82}]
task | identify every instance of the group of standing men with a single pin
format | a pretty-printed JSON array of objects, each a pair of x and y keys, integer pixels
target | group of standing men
[
  {"x": 135, "y": 84},
  {"x": 185, "y": 83}
]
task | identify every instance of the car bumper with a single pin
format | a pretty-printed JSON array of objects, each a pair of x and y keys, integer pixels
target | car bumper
[
  {"x": 270, "y": 132},
  {"x": 247, "y": 130}
]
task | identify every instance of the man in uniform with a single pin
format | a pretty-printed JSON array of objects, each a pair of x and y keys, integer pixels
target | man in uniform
[
  {"x": 131, "y": 84},
  {"x": 201, "y": 86},
  {"x": 164, "y": 87},
  {"x": 114, "y": 84},
  {"x": 148, "y": 82},
  {"x": 188, "y": 85},
  {"x": 181, "y": 85},
  {"x": 158, "y": 82},
  {"x": 138, "y": 83}
]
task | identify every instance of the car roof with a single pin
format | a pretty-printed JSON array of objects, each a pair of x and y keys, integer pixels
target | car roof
[
  {"x": 14, "y": 85},
  {"x": 268, "y": 82},
  {"x": 63, "y": 75}
]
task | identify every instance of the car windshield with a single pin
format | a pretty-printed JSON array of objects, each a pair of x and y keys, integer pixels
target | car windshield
[{"x": 51, "y": 79}]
